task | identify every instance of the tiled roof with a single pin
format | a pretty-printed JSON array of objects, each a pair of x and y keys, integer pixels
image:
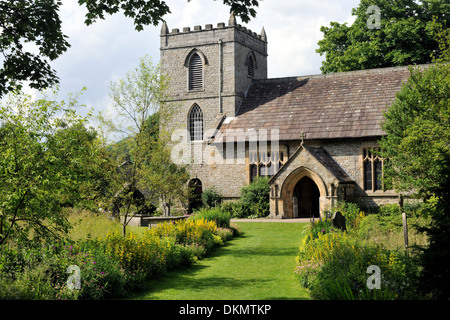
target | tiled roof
[{"x": 339, "y": 105}]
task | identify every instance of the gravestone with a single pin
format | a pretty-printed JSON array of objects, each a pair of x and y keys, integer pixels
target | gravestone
[{"x": 338, "y": 221}]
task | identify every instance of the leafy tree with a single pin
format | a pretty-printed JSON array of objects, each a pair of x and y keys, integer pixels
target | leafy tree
[
  {"x": 404, "y": 35},
  {"x": 165, "y": 180},
  {"x": 41, "y": 158},
  {"x": 34, "y": 21},
  {"x": 417, "y": 145},
  {"x": 136, "y": 98},
  {"x": 38, "y": 22}
]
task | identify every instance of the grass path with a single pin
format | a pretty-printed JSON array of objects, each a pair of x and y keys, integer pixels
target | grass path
[{"x": 256, "y": 266}]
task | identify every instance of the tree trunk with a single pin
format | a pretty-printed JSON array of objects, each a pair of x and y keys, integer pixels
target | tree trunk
[{"x": 124, "y": 229}]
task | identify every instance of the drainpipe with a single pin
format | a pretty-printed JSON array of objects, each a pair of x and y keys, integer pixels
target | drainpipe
[{"x": 220, "y": 76}]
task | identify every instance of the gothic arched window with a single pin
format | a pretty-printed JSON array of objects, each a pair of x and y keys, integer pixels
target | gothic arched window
[
  {"x": 195, "y": 72},
  {"x": 373, "y": 170},
  {"x": 196, "y": 123},
  {"x": 251, "y": 64},
  {"x": 250, "y": 67}
]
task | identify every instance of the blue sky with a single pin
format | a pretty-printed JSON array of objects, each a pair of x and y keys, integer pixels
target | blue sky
[{"x": 108, "y": 49}]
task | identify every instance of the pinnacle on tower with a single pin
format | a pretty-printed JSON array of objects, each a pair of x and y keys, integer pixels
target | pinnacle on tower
[
  {"x": 232, "y": 21},
  {"x": 164, "y": 29},
  {"x": 263, "y": 34}
]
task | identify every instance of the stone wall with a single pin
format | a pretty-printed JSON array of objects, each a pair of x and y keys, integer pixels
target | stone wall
[{"x": 348, "y": 154}]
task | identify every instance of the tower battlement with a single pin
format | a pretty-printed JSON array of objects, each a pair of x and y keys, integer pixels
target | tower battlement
[{"x": 209, "y": 27}]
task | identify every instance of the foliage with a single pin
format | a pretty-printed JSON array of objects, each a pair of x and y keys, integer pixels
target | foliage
[
  {"x": 334, "y": 266},
  {"x": 220, "y": 216},
  {"x": 235, "y": 208},
  {"x": 418, "y": 130},
  {"x": 211, "y": 197},
  {"x": 417, "y": 126},
  {"x": 190, "y": 232},
  {"x": 45, "y": 149},
  {"x": 318, "y": 227},
  {"x": 253, "y": 202},
  {"x": 111, "y": 266},
  {"x": 87, "y": 224},
  {"x": 38, "y": 22},
  {"x": 35, "y": 21},
  {"x": 255, "y": 199},
  {"x": 163, "y": 179},
  {"x": 137, "y": 98},
  {"x": 146, "y": 12},
  {"x": 405, "y": 36},
  {"x": 351, "y": 212}
]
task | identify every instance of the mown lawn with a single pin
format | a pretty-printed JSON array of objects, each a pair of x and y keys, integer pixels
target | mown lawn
[{"x": 256, "y": 266}]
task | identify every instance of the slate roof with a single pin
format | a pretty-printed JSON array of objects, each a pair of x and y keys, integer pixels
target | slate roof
[{"x": 326, "y": 106}]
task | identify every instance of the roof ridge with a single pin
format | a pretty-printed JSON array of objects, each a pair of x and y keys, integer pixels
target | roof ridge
[{"x": 382, "y": 70}]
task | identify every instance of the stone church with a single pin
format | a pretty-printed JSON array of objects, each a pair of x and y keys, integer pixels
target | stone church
[{"x": 313, "y": 135}]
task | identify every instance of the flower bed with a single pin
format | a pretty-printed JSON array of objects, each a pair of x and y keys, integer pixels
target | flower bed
[
  {"x": 109, "y": 267},
  {"x": 334, "y": 265}
]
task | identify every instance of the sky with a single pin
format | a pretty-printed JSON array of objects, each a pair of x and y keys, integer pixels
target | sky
[{"x": 108, "y": 49}]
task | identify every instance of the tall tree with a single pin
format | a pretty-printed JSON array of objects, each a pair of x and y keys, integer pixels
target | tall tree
[
  {"x": 417, "y": 145},
  {"x": 38, "y": 22},
  {"x": 137, "y": 98},
  {"x": 41, "y": 158},
  {"x": 385, "y": 33}
]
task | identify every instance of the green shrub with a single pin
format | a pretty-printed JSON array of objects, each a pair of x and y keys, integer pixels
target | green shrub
[
  {"x": 225, "y": 234},
  {"x": 317, "y": 227},
  {"x": 235, "y": 208},
  {"x": 350, "y": 211},
  {"x": 220, "y": 216},
  {"x": 211, "y": 197},
  {"x": 334, "y": 266},
  {"x": 255, "y": 199},
  {"x": 344, "y": 275},
  {"x": 111, "y": 266},
  {"x": 388, "y": 210}
]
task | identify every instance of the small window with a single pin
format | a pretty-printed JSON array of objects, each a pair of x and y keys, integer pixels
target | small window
[
  {"x": 196, "y": 123},
  {"x": 195, "y": 72},
  {"x": 250, "y": 66}
]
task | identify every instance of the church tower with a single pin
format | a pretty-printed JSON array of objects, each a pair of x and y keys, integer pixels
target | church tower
[{"x": 209, "y": 71}]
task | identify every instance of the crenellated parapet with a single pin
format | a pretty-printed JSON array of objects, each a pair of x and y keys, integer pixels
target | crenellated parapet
[{"x": 209, "y": 27}]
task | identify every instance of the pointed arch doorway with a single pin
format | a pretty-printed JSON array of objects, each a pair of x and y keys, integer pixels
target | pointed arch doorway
[
  {"x": 195, "y": 199},
  {"x": 306, "y": 199}
]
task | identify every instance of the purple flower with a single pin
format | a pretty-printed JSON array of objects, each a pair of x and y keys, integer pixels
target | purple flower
[{"x": 323, "y": 230}]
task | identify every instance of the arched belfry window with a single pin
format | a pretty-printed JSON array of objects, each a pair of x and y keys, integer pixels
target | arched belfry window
[
  {"x": 195, "y": 72},
  {"x": 251, "y": 64},
  {"x": 250, "y": 67},
  {"x": 196, "y": 123}
]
